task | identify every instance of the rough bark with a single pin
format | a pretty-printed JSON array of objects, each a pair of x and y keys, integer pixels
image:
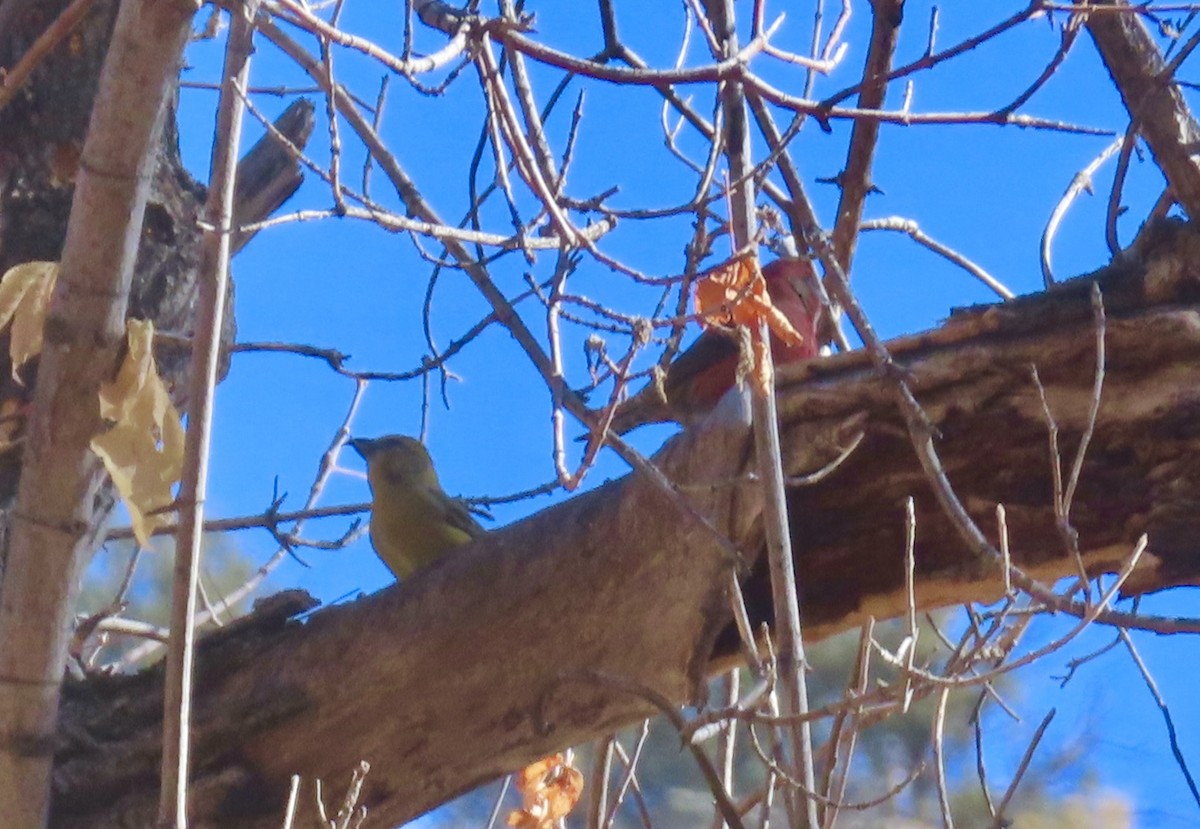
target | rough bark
[
  {"x": 480, "y": 664},
  {"x": 41, "y": 134},
  {"x": 974, "y": 376}
]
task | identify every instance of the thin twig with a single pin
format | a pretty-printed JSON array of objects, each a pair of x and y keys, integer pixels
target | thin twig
[
  {"x": 602, "y": 759},
  {"x": 790, "y": 641},
  {"x": 325, "y": 469},
  {"x": 1081, "y": 182},
  {"x": 1164, "y": 709},
  {"x": 289, "y": 814},
  {"x": 939, "y": 758},
  {"x": 1000, "y": 821},
  {"x": 1070, "y": 31},
  {"x": 980, "y": 765},
  {"x": 913, "y": 230},
  {"x": 910, "y": 590},
  {"x": 835, "y": 790},
  {"x": 629, "y": 782},
  {"x": 727, "y": 741},
  {"x": 206, "y": 354},
  {"x": 669, "y": 712},
  {"x": 1094, "y": 408},
  {"x": 498, "y": 805},
  {"x": 1118, "y": 186}
]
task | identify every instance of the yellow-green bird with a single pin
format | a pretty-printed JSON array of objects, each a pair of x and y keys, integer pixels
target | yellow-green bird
[{"x": 413, "y": 522}]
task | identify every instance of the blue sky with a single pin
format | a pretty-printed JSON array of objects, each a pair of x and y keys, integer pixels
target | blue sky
[{"x": 984, "y": 190}]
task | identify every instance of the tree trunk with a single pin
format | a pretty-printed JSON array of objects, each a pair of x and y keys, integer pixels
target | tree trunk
[{"x": 134, "y": 203}]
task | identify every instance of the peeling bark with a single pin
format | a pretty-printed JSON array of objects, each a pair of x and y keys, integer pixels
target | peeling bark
[{"x": 974, "y": 377}]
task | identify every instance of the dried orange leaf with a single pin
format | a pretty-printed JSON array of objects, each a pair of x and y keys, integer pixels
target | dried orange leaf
[
  {"x": 549, "y": 789},
  {"x": 521, "y": 819},
  {"x": 735, "y": 293},
  {"x": 25, "y": 291},
  {"x": 143, "y": 451},
  {"x": 760, "y": 376}
]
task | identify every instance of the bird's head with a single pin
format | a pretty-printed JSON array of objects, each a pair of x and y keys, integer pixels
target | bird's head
[
  {"x": 397, "y": 458},
  {"x": 792, "y": 284}
]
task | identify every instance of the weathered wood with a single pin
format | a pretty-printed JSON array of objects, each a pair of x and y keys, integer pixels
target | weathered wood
[
  {"x": 475, "y": 667},
  {"x": 1153, "y": 99},
  {"x": 974, "y": 377},
  {"x": 444, "y": 681}
]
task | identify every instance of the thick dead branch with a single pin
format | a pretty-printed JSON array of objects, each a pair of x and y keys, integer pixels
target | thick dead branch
[
  {"x": 973, "y": 377},
  {"x": 500, "y": 628},
  {"x": 268, "y": 175},
  {"x": 492, "y": 658}
]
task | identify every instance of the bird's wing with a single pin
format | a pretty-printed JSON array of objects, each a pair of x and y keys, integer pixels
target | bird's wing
[
  {"x": 693, "y": 384},
  {"x": 458, "y": 516},
  {"x": 698, "y": 377}
]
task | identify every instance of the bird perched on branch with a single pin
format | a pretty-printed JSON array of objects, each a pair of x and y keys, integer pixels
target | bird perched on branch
[
  {"x": 413, "y": 522},
  {"x": 699, "y": 377}
]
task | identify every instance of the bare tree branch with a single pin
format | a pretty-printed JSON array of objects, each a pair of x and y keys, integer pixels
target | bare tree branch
[{"x": 1155, "y": 103}]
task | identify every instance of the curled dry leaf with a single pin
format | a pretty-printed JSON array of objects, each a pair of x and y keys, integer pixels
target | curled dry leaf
[
  {"x": 25, "y": 292},
  {"x": 735, "y": 293},
  {"x": 549, "y": 789},
  {"x": 143, "y": 451}
]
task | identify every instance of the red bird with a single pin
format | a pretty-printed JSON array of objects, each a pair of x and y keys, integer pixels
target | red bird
[{"x": 699, "y": 377}]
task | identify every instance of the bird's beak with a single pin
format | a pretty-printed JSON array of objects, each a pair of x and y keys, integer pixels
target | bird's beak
[{"x": 362, "y": 446}]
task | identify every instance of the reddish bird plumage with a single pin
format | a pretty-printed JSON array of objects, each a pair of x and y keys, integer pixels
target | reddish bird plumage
[{"x": 697, "y": 380}]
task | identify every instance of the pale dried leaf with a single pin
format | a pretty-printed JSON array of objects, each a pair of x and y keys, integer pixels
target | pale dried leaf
[
  {"x": 143, "y": 451},
  {"x": 735, "y": 293},
  {"x": 25, "y": 292},
  {"x": 549, "y": 789}
]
